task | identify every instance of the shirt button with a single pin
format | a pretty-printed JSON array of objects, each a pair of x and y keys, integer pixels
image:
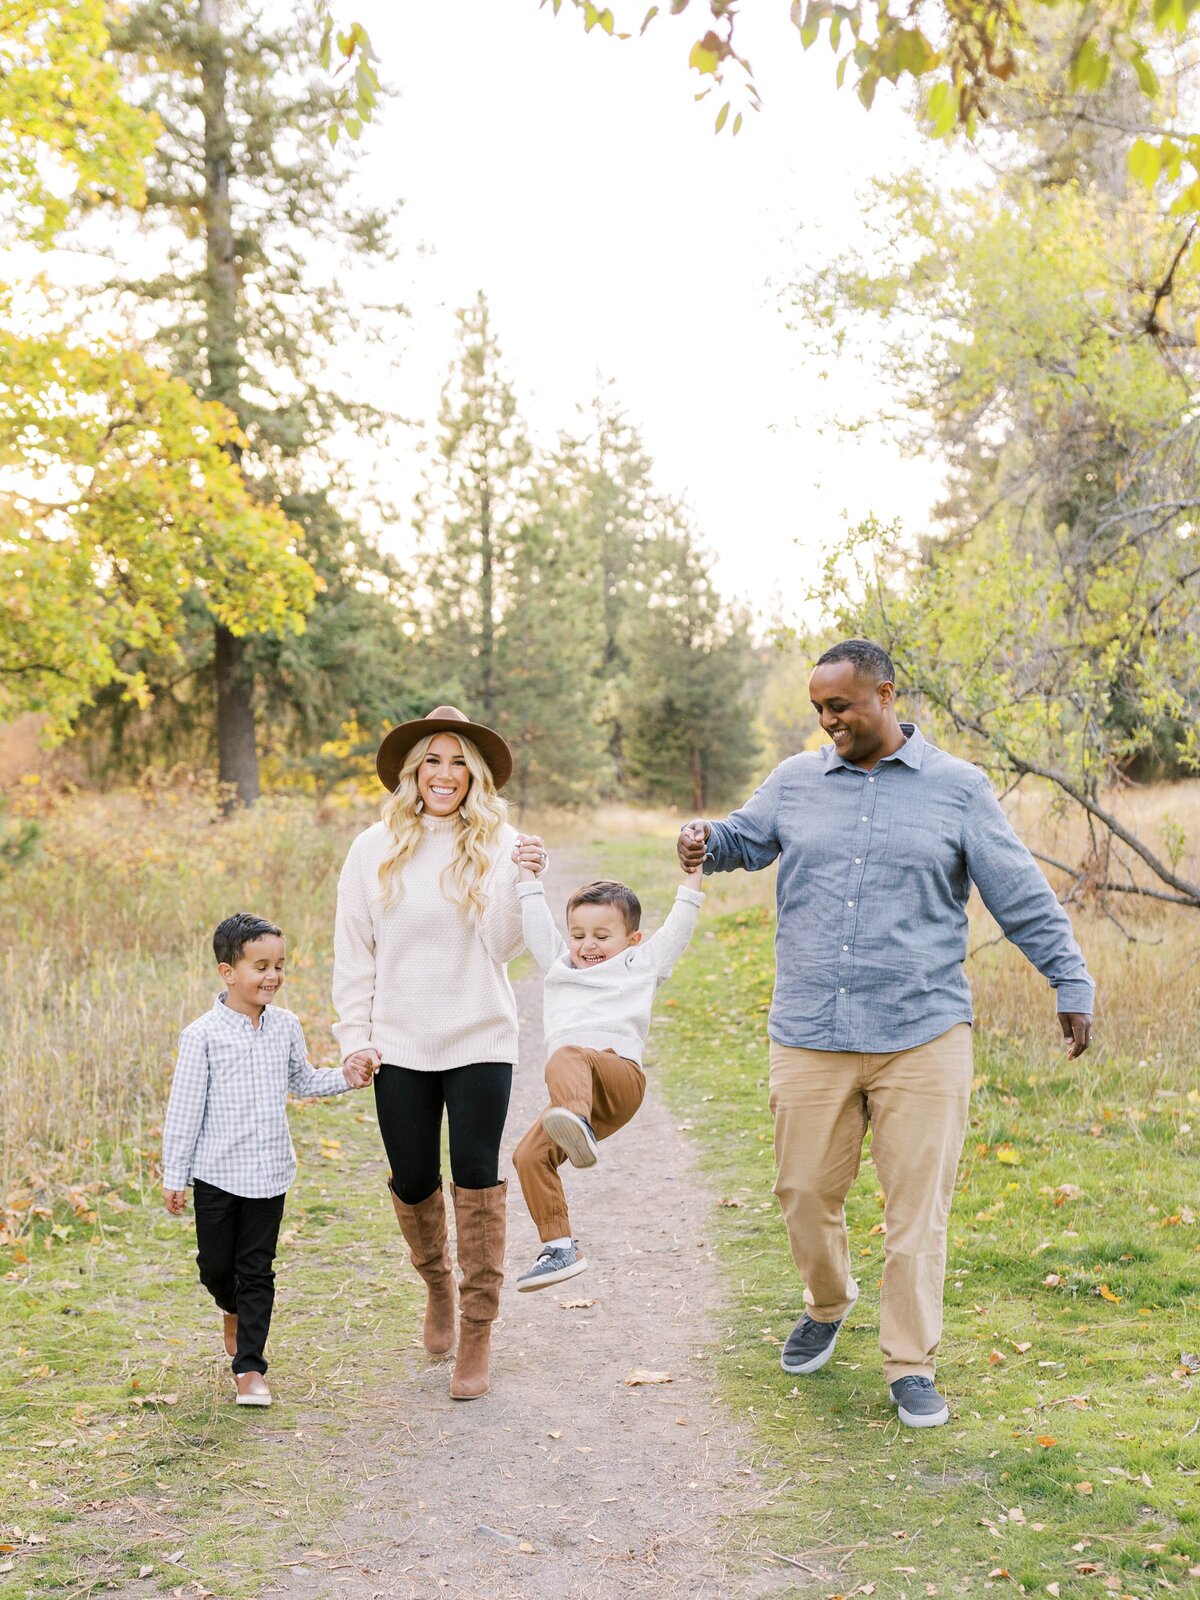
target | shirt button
[
  {"x": 845, "y": 947},
  {"x": 841, "y": 991},
  {"x": 858, "y": 861},
  {"x": 866, "y": 819},
  {"x": 870, "y": 780},
  {"x": 849, "y": 902}
]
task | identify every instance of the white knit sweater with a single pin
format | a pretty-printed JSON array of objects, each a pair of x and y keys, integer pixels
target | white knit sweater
[
  {"x": 606, "y": 1006},
  {"x": 419, "y": 980}
]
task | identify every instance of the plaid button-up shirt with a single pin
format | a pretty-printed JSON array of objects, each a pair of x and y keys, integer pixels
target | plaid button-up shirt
[
  {"x": 875, "y": 869},
  {"x": 227, "y": 1116}
]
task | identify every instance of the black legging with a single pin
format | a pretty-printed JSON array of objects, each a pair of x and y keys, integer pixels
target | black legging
[{"x": 409, "y": 1106}]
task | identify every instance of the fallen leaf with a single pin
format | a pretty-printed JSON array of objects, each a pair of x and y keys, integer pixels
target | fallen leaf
[
  {"x": 144, "y": 1572},
  {"x": 1106, "y": 1293},
  {"x": 155, "y": 1399},
  {"x": 526, "y": 1547},
  {"x": 732, "y": 1203},
  {"x": 1016, "y": 1514},
  {"x": 174, "y": 1558},
  {"x": 1052, "y": 1280},
  {"x": 996, "y": 1359},
  {"x": 1085, "y": 1569},
  {"x": 557, "y": 1434},
  {"x": 1046, "y": 1440},
  {"x": 1021, "y": 1348},
  {"x": 1083, "y": 1488},
  {"x": 998, "y": 1572},
  {"x": 1189, "y": 1361},
  {"x": 576, "y": 1305},
  {"x": 1052, "y": 1588},
  {"x": 1008, "y": 1156},
  {"x": 641, "y": 1375}
]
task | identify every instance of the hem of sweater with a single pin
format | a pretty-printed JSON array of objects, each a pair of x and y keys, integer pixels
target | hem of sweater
[
  {"x": 628, "y": 1046},
  {"x": 908, "y": 1039},
  {"x": 269, "y": 1192},
  {"x": 397, "y": 1052}
]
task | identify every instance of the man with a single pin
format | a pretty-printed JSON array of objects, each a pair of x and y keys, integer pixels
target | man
[{"x": 880, "y": 836}]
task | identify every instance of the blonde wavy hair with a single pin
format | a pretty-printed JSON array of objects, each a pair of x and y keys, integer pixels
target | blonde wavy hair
[{"x": 480, "y": 817}]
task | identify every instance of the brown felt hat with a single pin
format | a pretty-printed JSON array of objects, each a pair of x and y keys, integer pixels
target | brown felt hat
[{"x": 389, "y": 758}]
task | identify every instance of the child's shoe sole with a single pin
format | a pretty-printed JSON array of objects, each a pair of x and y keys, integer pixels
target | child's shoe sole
[
  {"x": 568, "y": 1132},
  {"x": 547, "y": 1279}
]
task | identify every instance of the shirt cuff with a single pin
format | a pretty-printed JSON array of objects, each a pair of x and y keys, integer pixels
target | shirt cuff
[
  {"x": 690, "y": 897},
  {"x": 174, "y": 1180},
  {"x": 534, "y": 886},
  {"x": 1078, "y": 995}
]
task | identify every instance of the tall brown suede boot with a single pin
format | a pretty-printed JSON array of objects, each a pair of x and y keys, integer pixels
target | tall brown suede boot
[
  {"x": 480, "y": 1215},
  {"x": 424, "y": 1230}
]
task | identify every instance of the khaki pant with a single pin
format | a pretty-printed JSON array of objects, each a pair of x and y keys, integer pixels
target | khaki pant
[
  {"x": 916, "y": 1102},
  {"x": 597, "y": 1084}
]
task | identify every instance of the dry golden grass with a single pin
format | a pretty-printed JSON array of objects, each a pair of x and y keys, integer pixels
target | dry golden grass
[{"x": 105, "y": 954}]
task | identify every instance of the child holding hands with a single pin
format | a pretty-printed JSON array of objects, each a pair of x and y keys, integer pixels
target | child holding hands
[
  {"x": 226, "y": 1134},
  {"x": 599, "y": 990}
]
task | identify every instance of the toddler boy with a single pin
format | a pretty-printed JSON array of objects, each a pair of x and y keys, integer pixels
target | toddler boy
[
  {"x": 599, "y": 990},
  {"x": 226, "y": 1133}
]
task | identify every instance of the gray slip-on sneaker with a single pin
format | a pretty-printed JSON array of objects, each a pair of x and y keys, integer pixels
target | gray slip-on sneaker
[
  {"x": 572, "y": 1133},
  {"x": 810, "y": 1343},
  {"x": 555, "y": 1264},
  {"x": 919, "y": 1403}
]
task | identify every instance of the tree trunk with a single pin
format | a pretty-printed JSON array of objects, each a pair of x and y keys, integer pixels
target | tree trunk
[
  {"x": 487, "y": 641},
  {"x": 236, "y": 750},
  {"x": 237, "y": 753},
  {"x": 698, "y": 797}
]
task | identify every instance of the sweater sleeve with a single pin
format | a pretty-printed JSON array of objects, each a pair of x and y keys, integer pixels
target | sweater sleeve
[
  {"x": 353, "y": 959},
  {"x": 500, "y": 926},
  {"x": 664, "y": 948},
  {"x": 305, "y": 1079},
  {"x": 545, "y": 943},
  {"x": 185, "y": 1109}
]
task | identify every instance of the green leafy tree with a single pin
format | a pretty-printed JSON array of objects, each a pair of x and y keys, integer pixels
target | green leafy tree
[
  {"x": 690, "y": 712},
  {"x": 247, "y": 200},
  {"x": 472, "y": 514}
]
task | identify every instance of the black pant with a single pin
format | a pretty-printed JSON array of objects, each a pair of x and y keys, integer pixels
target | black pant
[
  {"x": 409, "y": 1106},
  {"x": 236, "y": 1241}
]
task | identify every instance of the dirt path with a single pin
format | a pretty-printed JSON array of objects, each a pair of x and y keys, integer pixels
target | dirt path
[{"x": 564, "y": 1481}]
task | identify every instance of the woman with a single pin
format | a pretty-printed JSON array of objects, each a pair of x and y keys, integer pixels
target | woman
[{"x": 427, "y": 917}]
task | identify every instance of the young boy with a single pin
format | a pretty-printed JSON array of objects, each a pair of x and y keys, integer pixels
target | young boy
[
  {"x": 226, "y": 1133},
  {"x": 599, "y": 991}
]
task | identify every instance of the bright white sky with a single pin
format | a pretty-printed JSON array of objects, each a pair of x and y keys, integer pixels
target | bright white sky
[{"x": 573, "y": 178}]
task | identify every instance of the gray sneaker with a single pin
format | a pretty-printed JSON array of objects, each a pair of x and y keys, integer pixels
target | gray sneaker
[
  {"x": 919, "y": 1403},
  {"x": 810, "y": 1343},
  {"x": 555, "y": 1264},
  {"x": 572, "y": 1133}
]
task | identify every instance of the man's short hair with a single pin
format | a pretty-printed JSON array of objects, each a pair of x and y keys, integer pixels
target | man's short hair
[
  {"x": 236, "y": 932},
  {"x": 608, "y": 892},
  {"x": 871, "y": 661}
]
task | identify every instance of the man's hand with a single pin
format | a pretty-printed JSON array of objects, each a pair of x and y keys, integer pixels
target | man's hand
[
  {"x": 1077, "y": 1031},
  {"x": 175, "y": 1201},
  {"x": 692, "y": 845},
  {"x": 529, "y": 853},
  {"x": 360, "y": 1068}
]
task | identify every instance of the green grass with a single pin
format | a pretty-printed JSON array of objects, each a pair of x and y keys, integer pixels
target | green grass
[
  {"x": 107, "y": 1313},
  {"x": 1053, "y": 1385}
]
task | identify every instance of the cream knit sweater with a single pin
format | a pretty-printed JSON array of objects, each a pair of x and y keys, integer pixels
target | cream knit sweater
[{"x": 420, "y": 981}]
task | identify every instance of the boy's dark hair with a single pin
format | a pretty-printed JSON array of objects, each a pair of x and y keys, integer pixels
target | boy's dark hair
[
  {"x": 236, "y": 932},
  {"x": 871, "y": 661},
  {"x": 608, "y": 892}
]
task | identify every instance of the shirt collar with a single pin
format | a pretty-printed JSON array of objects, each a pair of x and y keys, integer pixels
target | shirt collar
[
  {"x": 911, "y": 752},
  {"x": 239, "y": 1019}
]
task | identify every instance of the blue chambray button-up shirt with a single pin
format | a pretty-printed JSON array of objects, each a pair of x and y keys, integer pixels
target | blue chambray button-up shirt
[{"x": 875, "y": 869}]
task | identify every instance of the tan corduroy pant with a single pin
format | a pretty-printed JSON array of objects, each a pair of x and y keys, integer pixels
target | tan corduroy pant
[
  {"x": 597, "y": 1084},
  {"x": 916, "y": 1102}
]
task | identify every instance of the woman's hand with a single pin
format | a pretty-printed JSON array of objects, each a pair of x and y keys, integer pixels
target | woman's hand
[
  {"x": 360, "y": 1068},
  {"x": 529, "y": 853}
]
